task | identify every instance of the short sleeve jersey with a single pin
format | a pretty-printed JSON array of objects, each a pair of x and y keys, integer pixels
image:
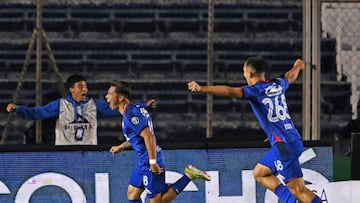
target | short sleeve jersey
[
  {"x": 135, "y": 119},
  {"x": 268, "y": 102}
]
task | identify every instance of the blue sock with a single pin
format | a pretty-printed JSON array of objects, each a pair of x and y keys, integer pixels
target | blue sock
[
  {"x": 180, "y": 184},
  {"x": 284, "y": 194},
  {"x": 316, "y": 199},
  {"x": 135, "y": 201}
]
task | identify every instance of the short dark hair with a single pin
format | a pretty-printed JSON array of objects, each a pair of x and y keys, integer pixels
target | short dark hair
[
  {"x": 122, "y": 88},
  {"x": 72, "y": 79},
  {"x": 258, "y": 64}
]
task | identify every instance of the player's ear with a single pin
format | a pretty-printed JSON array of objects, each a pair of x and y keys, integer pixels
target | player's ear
[
  {"x": 121, "y": 98},
  {"x": 71, "y": 90},
  {"x": 251, "y": 74}
]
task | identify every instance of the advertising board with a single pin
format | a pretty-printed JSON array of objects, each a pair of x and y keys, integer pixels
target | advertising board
[{"x": 99, "y": 177}]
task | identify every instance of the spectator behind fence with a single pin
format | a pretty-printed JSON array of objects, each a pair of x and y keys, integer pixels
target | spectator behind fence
[{"x": 76, "y": 114}]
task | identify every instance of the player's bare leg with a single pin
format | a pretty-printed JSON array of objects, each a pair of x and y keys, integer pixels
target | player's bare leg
[
  {"x": 133, "y": 193},
  {"x": 168, "y": 196},
  {"x": 300, "y": 191},
  {"x": 264, "y": 176}
]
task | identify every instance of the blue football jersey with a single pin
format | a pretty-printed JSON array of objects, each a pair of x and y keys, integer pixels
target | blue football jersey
[
  {"x": 268, "y": 102},
  {"x": 135, "y": 119}
]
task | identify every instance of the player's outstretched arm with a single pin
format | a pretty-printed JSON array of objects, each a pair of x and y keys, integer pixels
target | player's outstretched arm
[
  {"x": 217, "y": 90},
  {"x": 293, "y": 73}
]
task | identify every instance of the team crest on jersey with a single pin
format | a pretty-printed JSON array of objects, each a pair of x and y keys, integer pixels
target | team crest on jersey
[
  {"x": 273, "y": 90},
  {"x": 135, "y": 120}
]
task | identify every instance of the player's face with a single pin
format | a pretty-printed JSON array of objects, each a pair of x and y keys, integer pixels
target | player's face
[
  {"x": 112, "y": 98},
  {"x": 79, "y": 91}
]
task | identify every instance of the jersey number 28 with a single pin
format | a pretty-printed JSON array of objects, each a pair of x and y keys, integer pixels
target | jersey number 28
[{"x": 277, "y": 108}]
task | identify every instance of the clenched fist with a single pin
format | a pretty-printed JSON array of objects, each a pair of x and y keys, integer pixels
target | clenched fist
[{"x": 194, "y": 86}]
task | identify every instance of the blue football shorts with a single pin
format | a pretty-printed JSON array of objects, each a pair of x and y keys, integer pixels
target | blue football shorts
[
  {"x": 283, "y": 160},
  {"x": 151, "y": 182}
]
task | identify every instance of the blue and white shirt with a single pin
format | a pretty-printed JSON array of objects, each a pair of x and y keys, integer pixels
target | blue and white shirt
[
  {"x": 70, "y": 115},
  {"x": 135, "y": 119},
  {"x": 268, "y": 102}
]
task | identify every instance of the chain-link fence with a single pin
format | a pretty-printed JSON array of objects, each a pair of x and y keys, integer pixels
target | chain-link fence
[{"x": 340, "y": 21}]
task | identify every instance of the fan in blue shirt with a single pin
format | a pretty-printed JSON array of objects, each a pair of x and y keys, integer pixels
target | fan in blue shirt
[{"x": 76, "y": 115}]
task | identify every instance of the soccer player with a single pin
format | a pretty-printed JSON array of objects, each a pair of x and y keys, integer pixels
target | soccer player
[
  {"x": 149, "y": 173},
  {"x": 76, "y": 114},
  {"x": 268, "y": 102}
]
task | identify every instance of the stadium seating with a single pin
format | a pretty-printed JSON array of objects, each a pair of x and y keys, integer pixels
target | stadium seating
[{"x": 158, "y": 49}]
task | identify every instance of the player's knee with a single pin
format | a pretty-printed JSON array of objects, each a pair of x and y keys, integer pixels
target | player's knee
[
  {"x": 132, "y": 195},
  {"x": 261, "y": 171},
  {"x": 134, "y": 192},
  {"x": 257, "y": 175}
]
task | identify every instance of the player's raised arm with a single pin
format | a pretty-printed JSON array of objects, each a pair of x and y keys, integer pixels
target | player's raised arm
[{"x": 293, "y": 73}]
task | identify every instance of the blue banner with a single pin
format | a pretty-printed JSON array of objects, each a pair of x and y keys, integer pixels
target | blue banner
[{"x": 99, "y": 177}]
